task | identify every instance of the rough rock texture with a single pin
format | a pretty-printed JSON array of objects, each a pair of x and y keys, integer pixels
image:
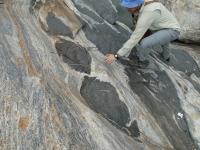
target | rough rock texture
[
  {"x": 75, "y": 55},
  {"x": 57, "y": 92},
  {"x": 123, "y": 15},
  {"x": 188, "y": 14}
]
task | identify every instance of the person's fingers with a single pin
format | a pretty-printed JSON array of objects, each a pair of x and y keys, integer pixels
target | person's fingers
[
  {"x": 109, "y": 61},
  {"x": 105, "y": 58}
]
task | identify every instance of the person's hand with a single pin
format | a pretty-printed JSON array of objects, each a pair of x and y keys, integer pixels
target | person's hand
[{"x": 110, "y": 58}]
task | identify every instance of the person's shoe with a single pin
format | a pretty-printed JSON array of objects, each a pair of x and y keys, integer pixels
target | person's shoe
[
  {"x": 143, "y": 64},
  {"x": 139, "y": 63},
  {"x": 168, "y": 59},
  {"x": 134, "y": 62}
]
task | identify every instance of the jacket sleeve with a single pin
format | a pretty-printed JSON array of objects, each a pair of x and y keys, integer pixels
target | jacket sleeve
[{"x": 143, "y": 24}]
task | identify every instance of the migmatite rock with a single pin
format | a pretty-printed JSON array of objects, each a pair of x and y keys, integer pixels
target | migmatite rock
[{"x": 57, "y": 92}]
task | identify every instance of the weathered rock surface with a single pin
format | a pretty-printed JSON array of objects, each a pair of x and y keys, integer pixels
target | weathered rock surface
[
  {"x": 57, "y": 93},
  {"x": 188, "y": 14}
]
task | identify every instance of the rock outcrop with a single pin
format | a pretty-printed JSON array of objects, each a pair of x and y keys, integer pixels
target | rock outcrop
[
  {"x": 57, "y": 92},
  {"x": 188, "y": 14}
]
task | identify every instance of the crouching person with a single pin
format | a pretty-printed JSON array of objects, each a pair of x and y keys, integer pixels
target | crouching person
[{"x": 153, "y": 16}]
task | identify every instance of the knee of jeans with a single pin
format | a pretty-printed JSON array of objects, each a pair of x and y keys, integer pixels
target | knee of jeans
[
  {"x": 144, "y": 44},
  {"x": 175, "y": 34}
]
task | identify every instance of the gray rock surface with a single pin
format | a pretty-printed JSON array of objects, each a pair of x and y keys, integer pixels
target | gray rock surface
[
  {"x": 56, "y": 27},
  {"x": 103, "y": 9},
  {"x": 48, "y": 102},
  {"x": 75, "y": 55},
  {"x": 123, "y": 15},
  {"x": 188, "y": 14}
]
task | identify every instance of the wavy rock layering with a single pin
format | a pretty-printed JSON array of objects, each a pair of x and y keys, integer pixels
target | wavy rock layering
[{"x": 57, "y": 92}]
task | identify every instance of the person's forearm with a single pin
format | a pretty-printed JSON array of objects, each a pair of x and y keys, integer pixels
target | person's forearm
[
  {"x": 134, "y": 39},
  {"x": 143, "y": 24},
  {"x": 128, "y": 46}
]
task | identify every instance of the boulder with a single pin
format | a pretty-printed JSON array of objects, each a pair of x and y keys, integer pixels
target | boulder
[{"x": 188, "y": 14}]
